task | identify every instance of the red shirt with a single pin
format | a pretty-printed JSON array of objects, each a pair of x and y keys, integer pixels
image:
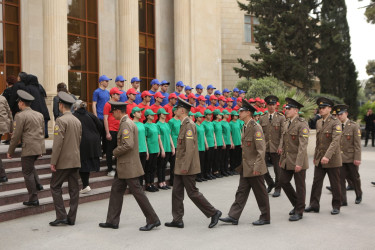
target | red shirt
[
  {"x": 200, "y": 109},
  {"x": 169, "y": 109},
  {"x": 145, "y": 107},
  {"x": 212, "y": 108},
  {"x": 236, "y": 108},
  {"x": 155, "y": 108},
  {"x": 221, "y": 109},
  {"x": 130, "y": 107},
  {"x": 230, "y": 110},
  {"x": 113, "y": 124}
]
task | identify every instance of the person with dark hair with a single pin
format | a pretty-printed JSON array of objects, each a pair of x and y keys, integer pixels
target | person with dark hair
[
  {"x": 136, "y": 115},
  {"x": 211, "y": 142},
  {"x": 220, "y": 143},
  {"x": 60, "y": 87},
  {"x": 370, "y": 127},
  {"x": 10, "y": 81},
  {"x": 202, "y": 145},
  {"x": 158, "y": 97},
  {"x": 90, "y": 149},
  {"x": 166, "y": 147},
  {"x": 174, "y": 124},
  {"x": 13, "y": 100},
  {"x": 145, "y": 104},
  {"x": 131, "y": 95},
  {"x": 169, "y": 107}
]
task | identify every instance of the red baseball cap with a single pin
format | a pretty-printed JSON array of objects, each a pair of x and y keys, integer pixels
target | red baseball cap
[
  {"x": 131, "y": 91},
  {"x": 229, "y": 99},
  {"x": 201, "y": 98},
  {"x": 173, "y": 95},
  {"x": 159, "y": 95},
  {"x": 115, "y": 90},
  {"x": 251, "y": 100},
  {"x": 262, "y": 101},
  {"x": 278, "y": 104},
  {"x": 192, "y": 96},
  {"x": 257, "y": 99},
  {"x": 239, "y": 99},
  {"x": 146, "y": 93},
  {"x": 284, "y": 105},
  {"x": 213, "y": 97},
  {"x": 222, "y": 98},
  {"x": 182, "y": 96}
]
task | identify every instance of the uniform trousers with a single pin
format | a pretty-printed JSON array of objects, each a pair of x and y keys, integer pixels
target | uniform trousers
[
  {"x": 350, "y": 171},
  {"x": 151, "y": 165},
  {"x": 172, "y": 161},
  {"x": 298, "y": 196},
  {"x": 187, "y": 182},
  {"x": 58, "y": 178},
  {"x": 162, "y": 166},
  {"x": 117, "y": 196},
  {"x": 235, "y": 157},
  {"x": 111, "y": 145},
  {"x": 142, "y": 158},
  {"x": 30, "y": 175},
  {"x": 209, "y": 160},
  {"x": 201, "y": 161},
  {"x": 316, "y": 190},
  {"x": 259, "y": 188},
  {"x": 275, "y": 158}
]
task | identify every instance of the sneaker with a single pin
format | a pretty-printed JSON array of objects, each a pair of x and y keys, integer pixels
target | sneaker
[
  {"x": 111, "y": 174},
  {"x": 85, "y": 190}
]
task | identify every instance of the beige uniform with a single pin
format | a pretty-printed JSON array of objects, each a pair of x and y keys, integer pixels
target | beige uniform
[
  {"x": 29, "y": 129},
  {"x": 350, "y": 151},
  {"x": 253, "y": 155},
  {"x": 328, "y": 136},
  {"x": 187, "y": 158},
  {"x": 66, "y": 158},
  {"x": 129, "y": 168},
  {"x": 294, "y": 152},
  {"x": 6, "y": 121}
]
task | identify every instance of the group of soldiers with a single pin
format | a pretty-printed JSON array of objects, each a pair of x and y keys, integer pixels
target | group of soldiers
[{"x": 282, "y": 138}]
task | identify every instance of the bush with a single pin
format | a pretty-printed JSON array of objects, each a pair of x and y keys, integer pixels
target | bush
[{"x": 363, "y": 109}]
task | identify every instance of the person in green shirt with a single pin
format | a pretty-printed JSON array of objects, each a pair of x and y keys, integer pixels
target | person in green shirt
[
  {"x": 220, "y": 143},
  {"x": 152, "y": 139},
  {"x": 202, "y": 145},
  {"x": 175, "y": 125},
  {"x": 166, "y": 147},
  {"x": 228, "y": 142},
  {"x": 136, "y": 115},
  {"x": 235, "y": 154},
  {"x": 209, "y": 159}
]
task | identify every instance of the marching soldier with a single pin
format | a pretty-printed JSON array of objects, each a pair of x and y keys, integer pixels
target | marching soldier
[
  {"x": 129, "y": 169},
  {"x": 294, "y": 159},
  {"x": 65, "y": 161},
  {"x": 327, "y": 157},
  {"x": 251, "y": 170},
  {"x": 186, "y": 168},
  {"x": 28, "y": 128},
  {"x": 350, "y": 154},
  {"x": 6, "y": 120},
  {"x": 272, "y": 123}
]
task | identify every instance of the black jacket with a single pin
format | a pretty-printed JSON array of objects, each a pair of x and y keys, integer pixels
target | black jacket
[{"x": 370, "y": 122}]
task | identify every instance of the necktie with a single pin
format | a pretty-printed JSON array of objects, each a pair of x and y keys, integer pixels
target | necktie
[
  {"x": 343, "y": 125},
  {"x": 289, "y": 124},
  {"x": 270, "y": 118},
  {"x": 323, "y": 123}
]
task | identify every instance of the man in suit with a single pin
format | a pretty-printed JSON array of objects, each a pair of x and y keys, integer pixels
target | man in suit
[
  {"x": 252, "y": 169},
  {"x": 350, "y": 154},
  {"x": 65, "y": 161},
  {"x": 129, "y": 169},
  {"x": 272, "y": 123},
  {"x": 294, "y": 160},
  {"x": 187, "y": 166},
  {"x": 28, "y": 128},
  {"x": 327, "y": 157}
]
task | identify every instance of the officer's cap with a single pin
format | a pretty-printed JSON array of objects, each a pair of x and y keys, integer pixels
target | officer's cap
[
  {"x": 118, "y": 106},
  {"x": 341, "y": 108},
  {"x": 291, "y": 103},
  {"x": 246, "y": 106},
  {"x": 24, "y": 96},
  {"x": 66, "y": 98},
  {"x": 324, "y": 102},
  {"x": 271, "y": 99},
  {"x": 184, "y": 104}
]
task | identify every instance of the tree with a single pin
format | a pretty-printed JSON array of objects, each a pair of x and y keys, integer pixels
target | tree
[
  {"x": 287, "y": 38},
  {"x": 336, "y": 69},
  {"x": 370, "y": 12},
  {"x": 370, "y": 84}
]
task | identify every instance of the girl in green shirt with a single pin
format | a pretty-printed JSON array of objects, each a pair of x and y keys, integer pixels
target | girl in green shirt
[
  {"x": 136, "y": 115},
  {"x": 228, "y": 142},
  {"x": 220, "y": 143},
  {"x": 175, "y": 125},
  {"x": 152, "y": 139},
  {"x": 166, "y": 147},
  {"x": 236, "y": 130},
  {"x": 202, "y": 145},
  {"x": 209, "y": 159}
]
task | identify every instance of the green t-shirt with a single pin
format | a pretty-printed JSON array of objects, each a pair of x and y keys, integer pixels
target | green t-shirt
[
  {"x": 218, "y": 133},
  {"x": 242, "y": 123},
  {"x": 152, "y": 137},
  {"x": 165, "y": 133},
  {"x": 226, "y": 131},
  {"x": 236, "y": 128},
  {"x": 209, "y": 132},
  {"x": 200, "y": 134},
  {"x": 175, "y": 125},
  {"x": 141, "y": 137}
]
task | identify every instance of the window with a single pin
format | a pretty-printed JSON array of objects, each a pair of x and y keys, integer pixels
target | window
[
  {"x": 250, "y": 22},
  {"x": 10, "y": 54},
  {"x": 83, "y": 59},
  {"x": 147, "y": 67}
]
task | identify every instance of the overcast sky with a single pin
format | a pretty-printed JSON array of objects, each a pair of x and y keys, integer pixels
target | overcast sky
[{"x": 362, "y": 36}]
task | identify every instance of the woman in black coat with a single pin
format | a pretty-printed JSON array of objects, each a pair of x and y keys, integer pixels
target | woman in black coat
[{"x": 90, "y": 143}]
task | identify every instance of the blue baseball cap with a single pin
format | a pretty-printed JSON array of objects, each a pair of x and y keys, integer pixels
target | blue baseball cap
[
  {"x": 180, "y": 84},
  {"x": 242, "y": 91},
  {"x": 199, "y": 86},
  {"x": 155, "y": 81},
  {"x": 188, "y": 88},
  {"x": 210, "y": 87},
  {"x": 236, "y": 90},
  {"x": 120, "y": 78},
  {"x": 226, "y": 90},
  {"x": 217, "y": 92},
  {"x": 135, "y": 79},
  {"x": 165, "y": 82},
  {"x": 104, "y": 78}
]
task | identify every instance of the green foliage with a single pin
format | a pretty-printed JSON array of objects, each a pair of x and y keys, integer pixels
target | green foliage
[
  {"x": 263, "y": 87},
  {"x": 370, "y": 12},
  {"x": 335, "y": 99},
  {"x": 363, "y": 109}
]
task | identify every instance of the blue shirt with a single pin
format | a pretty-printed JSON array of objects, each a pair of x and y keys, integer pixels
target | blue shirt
[
  {"x": 101, "y": 97},
  {"x": 138, "y": 98},
  {"x": 234, "y": 102},
  {"x": 208, "y": 100},
  {"x": 197, "y": 95},
  {"x": 123, "y": 97},
  {"x": 165, "y": 99},
  {"x": 176, "y": 93},
  {"x": 152, "y": 98}
]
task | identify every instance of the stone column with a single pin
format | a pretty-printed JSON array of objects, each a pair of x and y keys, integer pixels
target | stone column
[
  {"x": 128, "y": 39},
  {"x": 55, "y": 48},
  {"x": 182, "y": 41}
]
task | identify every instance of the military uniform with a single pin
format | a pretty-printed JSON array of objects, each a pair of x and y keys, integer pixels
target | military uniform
[
  {"x": 129, "y": 169},
  {"x": 272, "y": 125},
  {"x": 66, "y": 159},
  {"x": 328, "y": 135},
  {"x": 6, "y": 120},
  {"x": 253, "y": 159},
  {"x": 29, "y": 128},
  {"x": 295, "y": 138}
]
